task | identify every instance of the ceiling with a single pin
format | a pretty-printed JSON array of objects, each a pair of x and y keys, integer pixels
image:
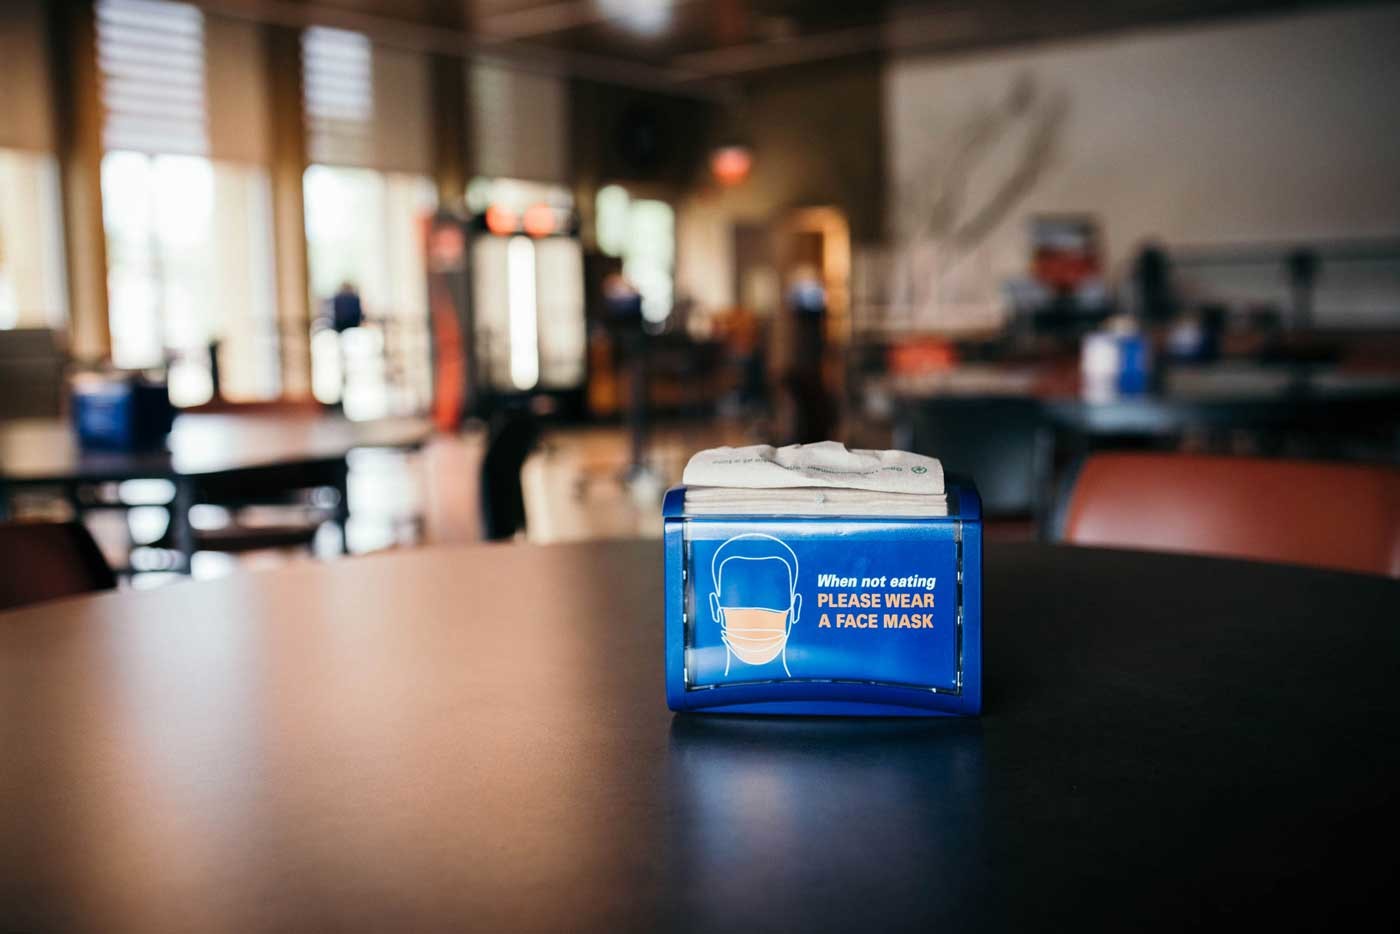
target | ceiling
[{"x": 697, "y": 44}]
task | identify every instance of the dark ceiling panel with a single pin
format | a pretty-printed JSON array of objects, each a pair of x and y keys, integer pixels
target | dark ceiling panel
[
  {"x": 689, "y": 40},
  {"x": 698, "y": 27}
]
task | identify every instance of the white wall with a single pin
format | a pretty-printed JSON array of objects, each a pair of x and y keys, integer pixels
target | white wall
[{"x": 1284, "y": 128}]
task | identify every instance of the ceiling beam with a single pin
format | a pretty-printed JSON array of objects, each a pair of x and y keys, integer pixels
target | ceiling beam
[
  {"x": 442, "y": 40},
  {"x": 548, "y": 19}
]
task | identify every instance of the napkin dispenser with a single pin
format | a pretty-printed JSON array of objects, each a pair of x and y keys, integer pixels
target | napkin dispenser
[
  {"x": 125, "y": 412},
  {"x": 828, "y": 615}
]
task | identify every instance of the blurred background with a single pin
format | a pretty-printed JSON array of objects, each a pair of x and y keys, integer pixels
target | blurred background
[{"x": 284, "y": 278}]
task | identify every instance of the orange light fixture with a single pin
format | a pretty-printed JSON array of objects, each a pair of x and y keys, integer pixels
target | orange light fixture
[
  {"x": 730, "y": 164},
  {"x": 539, "y": 220},
  {"x": 501, "y": 221}
]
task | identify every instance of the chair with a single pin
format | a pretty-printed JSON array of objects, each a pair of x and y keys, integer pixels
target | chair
[
  {"x": 1341, "y": 516},
  {"x": 1002, "y": 443},
  {"x": 290, "y": 491},
  {"x": 46, "y": 560}
]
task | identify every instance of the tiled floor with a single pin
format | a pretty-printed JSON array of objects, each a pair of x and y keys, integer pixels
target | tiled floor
[{"x": 578, "y": 486}]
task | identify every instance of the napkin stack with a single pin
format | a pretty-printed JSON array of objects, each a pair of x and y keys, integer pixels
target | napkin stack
[{"x": 822, "y": 479}]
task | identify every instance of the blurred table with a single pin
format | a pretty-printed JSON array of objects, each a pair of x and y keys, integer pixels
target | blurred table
[
  {"x": 44, "y": 453},
  {"x": 1226, "y": 397},
  {"x": 1191, "y": 397},
  {"x": 1020, "y": 429},
  {"x": 477, "y": 739}
]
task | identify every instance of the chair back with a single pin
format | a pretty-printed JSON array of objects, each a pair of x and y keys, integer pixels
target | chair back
[
  {"x": 511, "y": 439},
  {"x": 1001, "y": 443},
  {"x": 46, "y": 560},
  {"x": 1342, "y": 516}
]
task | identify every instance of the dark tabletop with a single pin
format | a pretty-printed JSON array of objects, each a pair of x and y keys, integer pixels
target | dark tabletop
[
  {"x": 46, "y": 449},
  {"x": 1221, "y": 395},
  {"x": 476, "y": 739}
]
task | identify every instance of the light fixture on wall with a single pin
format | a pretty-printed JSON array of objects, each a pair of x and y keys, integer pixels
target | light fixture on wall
[
  {"x": 731, "y": 159},
  {"x": 730, "y": 163}
]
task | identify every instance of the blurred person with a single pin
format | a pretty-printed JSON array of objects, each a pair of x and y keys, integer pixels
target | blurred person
[
  {"x": 742, "y": 334},
  {"x": 622, "y": 301},
  {"x": 344, "y": 312},
  {"x": 346, "y": 309},
  {"x": 805, "y": 415}
]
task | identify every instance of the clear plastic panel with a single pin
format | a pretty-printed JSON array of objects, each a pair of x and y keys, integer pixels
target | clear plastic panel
[{"x": 823, "y": 600}]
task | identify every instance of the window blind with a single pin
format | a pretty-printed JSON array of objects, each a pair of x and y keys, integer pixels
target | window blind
[
  {"x": 365, "y": 105},
  {"x": 519, "y": 123},
  {"x": 338, "y": 96},
  {"x": 150, "y": 56}
]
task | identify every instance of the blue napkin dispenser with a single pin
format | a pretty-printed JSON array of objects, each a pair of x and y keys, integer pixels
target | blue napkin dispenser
[
  {"x": 126, "y": 413},
  {"x": 825, "y": 615}
]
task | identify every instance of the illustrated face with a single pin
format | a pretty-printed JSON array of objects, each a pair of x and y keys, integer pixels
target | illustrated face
[
  {"x": 755, "y": 607},
  {"x": 756, "y": 636}
]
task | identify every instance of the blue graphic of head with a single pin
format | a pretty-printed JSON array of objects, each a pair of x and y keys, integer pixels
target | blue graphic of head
[{"x": 755, "y": 598}]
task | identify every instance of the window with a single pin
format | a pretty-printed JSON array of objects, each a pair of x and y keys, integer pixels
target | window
[
  {"x": 32, "y": 288},
  {"x": 338, "y": 84},
  {"x": 643, "y": 233},
  {"x": 366, "y": 198},
  {"x": 364, "y": 231},
  {"x": 189, "y": 266},
  {"x": 189, "y": 263}
]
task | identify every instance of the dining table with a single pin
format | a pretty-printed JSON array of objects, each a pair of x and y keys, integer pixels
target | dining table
[
  {"x": 38, "y": 451},
  {"x": 202, "y": 452},
  {"x": 1186, "y": 398},
  {"x": 476, "y": 739}
]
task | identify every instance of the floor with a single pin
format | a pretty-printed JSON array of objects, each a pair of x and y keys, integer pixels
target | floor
[{"x": 578, "y": 486}]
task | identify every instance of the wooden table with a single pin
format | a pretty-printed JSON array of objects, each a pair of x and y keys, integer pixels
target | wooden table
[
  {"x": 201, "y": 450},
  {"x": 476, "y": 739}
]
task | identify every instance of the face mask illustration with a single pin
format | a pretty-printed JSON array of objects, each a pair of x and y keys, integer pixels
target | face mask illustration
[{"x": 755, "y": 600}]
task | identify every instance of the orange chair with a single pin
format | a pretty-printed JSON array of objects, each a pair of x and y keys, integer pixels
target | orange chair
[
  {"x": 45, "y": 560},
  {"x": 1342, "y": 516}
]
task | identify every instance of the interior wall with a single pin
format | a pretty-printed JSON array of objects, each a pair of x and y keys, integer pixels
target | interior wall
[
  {"x": 818, "y": 139},
  {"x": 1280, "y": 129}
]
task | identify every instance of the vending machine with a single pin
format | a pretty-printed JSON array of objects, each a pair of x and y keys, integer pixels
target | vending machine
[{"x": 527, "y": 335}]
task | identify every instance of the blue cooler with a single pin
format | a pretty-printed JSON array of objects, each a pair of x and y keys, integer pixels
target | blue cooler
[{"x": 846, "y": 616}]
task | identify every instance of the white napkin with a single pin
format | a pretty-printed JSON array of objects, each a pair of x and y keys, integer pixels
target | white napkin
[
  {"x": 822, "y": 479},
  {"x": 825, "y": 464}
]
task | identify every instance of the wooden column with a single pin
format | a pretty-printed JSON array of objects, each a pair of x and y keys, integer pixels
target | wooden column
[
  {"x": 449, "y": 110},
  {"x": 78, "y": 131},
  {"x": 287, "y": 136}
]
